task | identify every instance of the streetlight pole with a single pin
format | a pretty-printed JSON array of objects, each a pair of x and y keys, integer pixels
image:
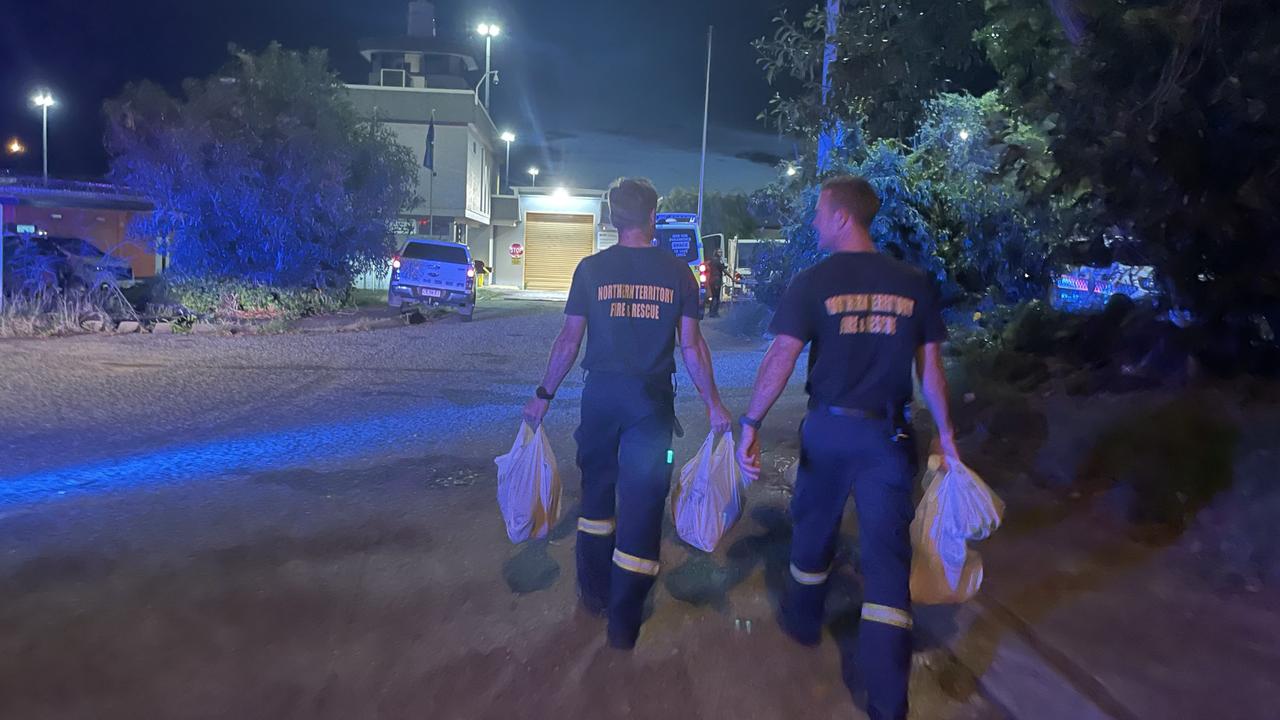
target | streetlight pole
[
  {"x": 44, "y": 101},
  {"x": 706, "y": 113},
  {"x": 533, "y": 173},
  {"x": 44, "y": 139},
  {"x": 489, "y": 31},
  {"x": 488, "y": 67},
  {"x": 508, "y": 138}
]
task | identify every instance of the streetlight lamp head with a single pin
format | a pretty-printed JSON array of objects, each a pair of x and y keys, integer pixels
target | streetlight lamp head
[
  {"x": 494, "y": 30},
  {"x": 483, "y": 29},
  {"x": 508, "y": 137},
  {"x": 533, "y": 171},
  {"x": 15, "y": 147},
  {"x": 42, "y": 99}
]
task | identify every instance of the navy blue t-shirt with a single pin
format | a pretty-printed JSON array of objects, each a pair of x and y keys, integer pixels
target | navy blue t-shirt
[
  {"x": 633, "y": 299},
  {"x": 865, "y": 315}
]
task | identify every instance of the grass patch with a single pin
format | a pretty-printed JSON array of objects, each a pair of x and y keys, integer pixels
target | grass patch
[
  {"x": 361, "y": 298},
  {"x": 237, "y": 300},
  {"x": 51, "y": 312}
]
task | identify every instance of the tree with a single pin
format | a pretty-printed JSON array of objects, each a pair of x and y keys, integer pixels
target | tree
[
  {"x": 964, "y": 180},
  {"x": 1165, "y": 112},
  {"x": 263, "y": 172},
  {"x": 986, "y": 173},
  {"x": 963, "y": 199},
  {"x": 892, "y": 56},
  {"x": 727, "y": 214}
]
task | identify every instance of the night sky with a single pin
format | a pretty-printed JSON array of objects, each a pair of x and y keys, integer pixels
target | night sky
[{"x": 592, "y": 88}]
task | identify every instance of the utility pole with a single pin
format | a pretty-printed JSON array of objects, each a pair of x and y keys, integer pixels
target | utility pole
[
  {"x": 706, "y": 113},
  {"x": 831, "y": 131}
]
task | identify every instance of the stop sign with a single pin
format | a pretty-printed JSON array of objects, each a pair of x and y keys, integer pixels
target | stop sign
[{"x": 517, "y": 250}]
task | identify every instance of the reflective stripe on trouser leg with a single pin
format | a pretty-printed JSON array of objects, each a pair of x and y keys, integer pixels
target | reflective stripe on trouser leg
[
  {"x": 809, "y": 578},
  {"x": 802, "y": 606},
  {"x": 594, "y": 552},
  {"x": 596, "y": 527},
  {"x": 634, "y": 564},
  {"x": 872, "y": 612}
]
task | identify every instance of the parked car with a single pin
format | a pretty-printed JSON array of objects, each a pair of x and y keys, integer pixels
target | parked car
[
  {"x": 61, "y": 262},
  {"x": 432, "y": 273}
]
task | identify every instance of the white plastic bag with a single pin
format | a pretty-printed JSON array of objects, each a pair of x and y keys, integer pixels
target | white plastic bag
[
  {"x": 957, "y": 507},
  {"x": 528, "y": 486},
  {"x": 707, "y": 499}
]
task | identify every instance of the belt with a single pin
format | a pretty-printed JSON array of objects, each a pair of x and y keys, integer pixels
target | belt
[
  {"x": 899, "y": 415},
  {"x": 642, "y": 377},
  {"x": 881, "y": 414}
]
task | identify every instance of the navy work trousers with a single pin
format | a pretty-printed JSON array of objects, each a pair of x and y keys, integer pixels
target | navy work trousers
[
  {"x": 623, "y": 451},
  {"x": 873, "y": 460}
]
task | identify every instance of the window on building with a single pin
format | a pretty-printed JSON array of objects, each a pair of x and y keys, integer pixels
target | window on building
[{"x": 438, "y": 226}]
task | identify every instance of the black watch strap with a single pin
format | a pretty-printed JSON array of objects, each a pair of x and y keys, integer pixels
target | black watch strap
[
  {"x": 750, "y": 421},
  {"x": 542, "y": 394}
]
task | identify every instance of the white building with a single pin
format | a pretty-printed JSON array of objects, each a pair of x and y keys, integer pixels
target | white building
[
  {"x": 414, "y": 80},
  {"x": 532, "y": 238}
]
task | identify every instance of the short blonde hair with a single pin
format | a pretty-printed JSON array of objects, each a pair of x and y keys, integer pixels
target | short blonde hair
[{"x": 855, "y": 196}]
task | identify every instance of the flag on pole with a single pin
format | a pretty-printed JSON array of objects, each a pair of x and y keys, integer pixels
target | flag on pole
[{"x": 429, "y": 158}]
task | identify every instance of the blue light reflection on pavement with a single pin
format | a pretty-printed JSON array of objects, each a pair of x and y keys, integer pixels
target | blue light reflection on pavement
[
  {"x": 391, "y": 430},
  {"x": 280, "y": 450}
]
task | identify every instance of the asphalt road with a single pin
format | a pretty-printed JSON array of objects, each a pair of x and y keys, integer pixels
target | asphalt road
[{"x": 305, "y": 526}]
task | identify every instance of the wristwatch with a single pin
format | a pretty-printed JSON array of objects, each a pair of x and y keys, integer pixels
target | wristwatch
[
  {"x": 749, "y": 421},
  {"x": 542, "y": 394}
]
